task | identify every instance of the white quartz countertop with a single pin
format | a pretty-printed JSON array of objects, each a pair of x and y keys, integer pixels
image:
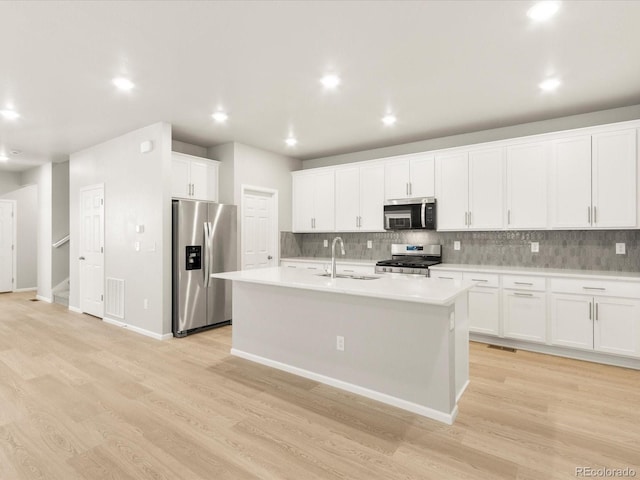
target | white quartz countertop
[
  {"x": 546, "y": 272},
  {"x": 327, "y": 260},
  {"x": 391, "y": 286}
]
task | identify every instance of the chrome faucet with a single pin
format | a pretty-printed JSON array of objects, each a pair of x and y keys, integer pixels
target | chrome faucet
[{"x": 333, "y": 255}]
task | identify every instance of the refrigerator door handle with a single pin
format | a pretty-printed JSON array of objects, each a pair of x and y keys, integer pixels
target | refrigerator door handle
[{"x": 207, "y": 230}]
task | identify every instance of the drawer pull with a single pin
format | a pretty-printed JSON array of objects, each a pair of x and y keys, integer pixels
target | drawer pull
[
  {"x": 478, "y": 280},
  {"x": 523, "y": 294},
  {"x": 349, "y": 271},
  {"x": 523, "y": 283},
  {"x": 312, "y": 268},
  {"x": 446, "y": 278},
  {"x": 594, "y": 288},
  {"x": 291, "y": 266}
]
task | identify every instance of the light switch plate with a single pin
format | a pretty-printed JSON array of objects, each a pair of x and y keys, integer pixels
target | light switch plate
[
  {"x": 535, "y": 247},
  {"x": 326, "y": 243},
  {"x": 369, "y": 244},
  {"x": 136, "y": 245},
  {"x": 621, "y": 249},
  {"x": 456, "y": 245}
]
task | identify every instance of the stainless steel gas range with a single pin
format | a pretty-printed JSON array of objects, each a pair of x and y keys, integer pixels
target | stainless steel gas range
[{"x": 411, "y": 259}]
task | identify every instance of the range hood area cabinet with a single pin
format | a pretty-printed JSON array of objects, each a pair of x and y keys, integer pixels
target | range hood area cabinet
[
  {"x": 409, "y": 176},
  {"x": 194, "y": 178},
  {"x": 594, "y": 181},
  {"x": 314, "y": 201}
]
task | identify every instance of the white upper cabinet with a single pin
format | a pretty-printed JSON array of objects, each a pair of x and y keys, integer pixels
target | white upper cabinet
[
  {"x": 570, "y": 194},
  {"x": 372, "y": 198},
  {"x": 452, "y": 191},
  {"x": 485, "y": 189},
  {"x": 469, "y": 190},
  {"x": 313, "y": 201},
  {"x": 360, "y": 198},
  {"x": 411, "y": 176},
  {"x": 527, "y": 177},
  {"x": 594, "y": 181},
  {"x": 194, "y": 178},
  {"x": 614, "y": 181}
]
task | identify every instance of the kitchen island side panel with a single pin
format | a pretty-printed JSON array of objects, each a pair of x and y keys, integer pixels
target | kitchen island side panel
[{"x": 404, "y": 350}]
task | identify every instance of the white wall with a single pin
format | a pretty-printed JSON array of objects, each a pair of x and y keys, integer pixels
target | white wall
[
  {"x": 553, "y": 125},
  {"x": 9, "y": 181},
  {"x": 188, "y": 148},
  {"x": 60, "y": 222},
  {"x": 137, "y": 192},
  {"x": 42, "y": 178},
  {"x": 26, "y": 199}
]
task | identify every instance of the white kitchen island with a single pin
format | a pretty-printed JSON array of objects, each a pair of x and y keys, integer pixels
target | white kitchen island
[{"x": 405, "y": 337}]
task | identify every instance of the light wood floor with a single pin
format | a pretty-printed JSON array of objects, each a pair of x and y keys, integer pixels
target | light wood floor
[{"x": 80, "y": 399}]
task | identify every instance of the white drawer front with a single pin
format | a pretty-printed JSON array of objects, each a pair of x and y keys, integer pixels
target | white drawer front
[
  {"x": 445, "y": 275},
  {"x": 483, "y": 279},
  {"x": 347, "y": 268},
  {"x": 607, "y": 288},
  {"x": 522, "y": 282}
]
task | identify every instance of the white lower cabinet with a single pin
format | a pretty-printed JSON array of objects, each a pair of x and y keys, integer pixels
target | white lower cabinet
[
  {"x": 524, "y": 315},
  {"x": 602, "y": 324},
  {"x": 484, "y": 303}
]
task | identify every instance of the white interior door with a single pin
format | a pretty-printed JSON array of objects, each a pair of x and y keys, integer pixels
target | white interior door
[
  {"x": 7, "y": 229},
  {"x": 259, "y": 229},
  {"x": 92, "y": 250}
]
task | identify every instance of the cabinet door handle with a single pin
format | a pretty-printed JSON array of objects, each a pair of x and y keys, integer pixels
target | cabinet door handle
[
  {"x": 523, "y": 283},
  {"x": 410, "y": 188},
  {"x": 469, "y": 218},
  {"x": 595, "y": 218},
  {"x": 594, "y": 288},
  {"x": 590, "y": 310},
  {"x": 596, "y": 310},
  {"x": 589, "y": 215},
  {"x": 406, "y": 189},
  {"x": 478, "y": 280},
  {"x": 523, "y": 294},
  {"x": 508, "y": 217},
  {"x": 465, "y": 217}
]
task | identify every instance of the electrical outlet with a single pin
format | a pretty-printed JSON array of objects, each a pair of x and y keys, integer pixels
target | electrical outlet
[
  {"x": 340, "y": 343},
  {"x": 136, "y": 245},
  {"x": 456, "y": 245},
  {"x": 145, "y": 303},
  {"x": 369, "y": 244},
  {"x": 535, "y": 247},
  {"x": 326, "y": 243},
  {"x": 621, "y": 249}
]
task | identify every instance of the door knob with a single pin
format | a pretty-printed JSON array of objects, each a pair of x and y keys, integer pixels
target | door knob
[
  {"x": 269, "y": 257},
  {"x": 80, "y": 258}
]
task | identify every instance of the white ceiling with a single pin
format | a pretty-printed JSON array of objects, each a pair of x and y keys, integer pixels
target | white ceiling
[{"x": 444, "y": 67}]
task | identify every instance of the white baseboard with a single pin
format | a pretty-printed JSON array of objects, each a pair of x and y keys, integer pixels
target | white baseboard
[
  {"x": 44, "y": 299},
  {"x": 462, "y": 390},
  {"x": 75, "y": 309},
  {"x": 139, "y": 330},
  {"x": 596, "y": 357},
  {"x": 29, "y": 289},
  {"x": 447, "y": 418}
]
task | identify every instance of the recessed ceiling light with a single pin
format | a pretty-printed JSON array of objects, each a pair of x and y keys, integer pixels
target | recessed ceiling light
[
  {"x": 389, "y": 119},
  {"x": 9, "y": 114},
  {"x": 542, "y": 11},
  {"x": 123, "y": 83},
  {"x": 330, "y": 81},
  {"x": 291, "y": 141},
  {"x": 220, "y": 116},
  {"x": 550, "y": 84},
  {"x": 3, "y": 158}
]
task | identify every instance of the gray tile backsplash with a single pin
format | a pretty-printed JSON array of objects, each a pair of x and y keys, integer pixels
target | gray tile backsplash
[{"x": 584, "y": 250}]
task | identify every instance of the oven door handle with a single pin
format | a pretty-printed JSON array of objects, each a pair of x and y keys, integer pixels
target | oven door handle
[{"x": 423, "y": 215}]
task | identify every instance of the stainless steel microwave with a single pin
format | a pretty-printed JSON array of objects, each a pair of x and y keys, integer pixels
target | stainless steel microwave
[{"x": 410, "y": 214}]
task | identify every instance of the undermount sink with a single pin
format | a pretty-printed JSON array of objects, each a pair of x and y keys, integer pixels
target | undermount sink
[{"x": 353, "y": 276}]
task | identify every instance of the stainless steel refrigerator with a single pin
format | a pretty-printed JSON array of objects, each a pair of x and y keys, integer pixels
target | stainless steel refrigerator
[{"x": 204, "y": 242}]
